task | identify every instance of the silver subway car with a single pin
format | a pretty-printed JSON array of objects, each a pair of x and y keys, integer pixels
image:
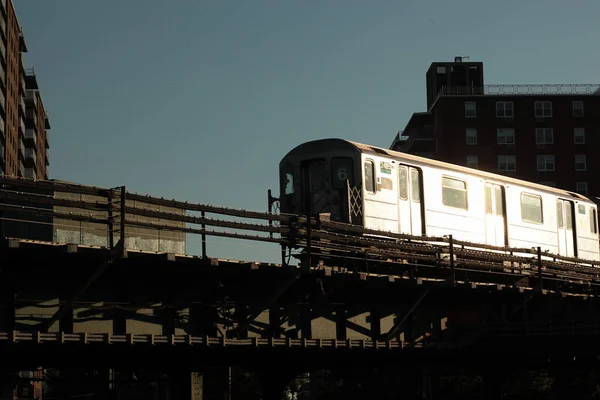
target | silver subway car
[{"x": 397, "y": 192}]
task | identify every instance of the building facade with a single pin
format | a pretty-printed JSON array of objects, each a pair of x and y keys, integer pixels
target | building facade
[
  {"x": 540, "y": 133},
  {"x": 23, "y": 120}
]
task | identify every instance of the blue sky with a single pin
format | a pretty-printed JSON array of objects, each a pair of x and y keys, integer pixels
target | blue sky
[{"x": 199, "y": 100}]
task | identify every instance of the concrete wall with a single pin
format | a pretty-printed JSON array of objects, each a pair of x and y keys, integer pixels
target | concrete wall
[{"x": 96, "y": 234}]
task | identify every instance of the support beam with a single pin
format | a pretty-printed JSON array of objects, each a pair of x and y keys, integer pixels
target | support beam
[
  {"x": 64, "y": 307},
  {"x": 396, "y": 328},
  {"x": 258, "y": 309}
]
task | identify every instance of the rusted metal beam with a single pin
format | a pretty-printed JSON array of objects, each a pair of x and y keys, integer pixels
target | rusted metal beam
[
  {"x": 167, "y": 216},
  {"x": 184, "y": 205}
]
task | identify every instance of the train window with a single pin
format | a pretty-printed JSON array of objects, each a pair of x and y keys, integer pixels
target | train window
[
  {"x": 341, "y": 171},
  {"x": 370, "y": 176},
  {"x": 569, "y": 215},
  {"x": 499, "y": 202},
  {"x": 415, "y": 185},
  {"x": 403, "y": 184},
  {"x": 289, "y": 183},
  {"x": 531, "y": 208},
  {"x": 488, "y": 200},
  {"x": 593, "y": 221},
  {"x": 559, "y": 214},
  {"x": 454, "y": 193}
]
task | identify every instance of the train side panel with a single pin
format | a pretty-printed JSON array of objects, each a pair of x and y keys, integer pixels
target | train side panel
[{"x": 454, "y": 205}]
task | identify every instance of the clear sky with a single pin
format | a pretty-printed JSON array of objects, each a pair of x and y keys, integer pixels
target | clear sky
[{"x": 199, "y": 100}]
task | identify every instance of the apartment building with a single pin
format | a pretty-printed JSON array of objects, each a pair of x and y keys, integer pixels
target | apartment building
[
  {"x": 23, "y": 121},
  {"x": 540, "y": 133}
]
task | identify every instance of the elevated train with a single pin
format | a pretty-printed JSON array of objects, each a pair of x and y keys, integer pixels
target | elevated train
[{"x": 397, "y": 192}]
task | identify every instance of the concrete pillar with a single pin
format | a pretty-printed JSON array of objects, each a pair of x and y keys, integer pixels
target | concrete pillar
[
  {"x": 274, "y": 315},
  {"x": 375, "y": 321},
  {"x": 340, "y": 322},
  {"x": 185, "y": 385}
]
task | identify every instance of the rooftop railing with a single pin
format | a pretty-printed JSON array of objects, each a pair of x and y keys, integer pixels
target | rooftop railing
[{"x": 523, "y": 89}]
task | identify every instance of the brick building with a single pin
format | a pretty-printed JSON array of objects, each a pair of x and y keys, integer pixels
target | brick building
[
  {"x": 23, "y": 120},
  {"x": 540, "y": 133}
]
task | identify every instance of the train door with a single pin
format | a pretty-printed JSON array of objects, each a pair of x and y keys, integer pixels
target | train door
[
  {"x": 495, "y": 215},
  {"x": 566, "y": 228},
  {"x": 410, "y": 215}
]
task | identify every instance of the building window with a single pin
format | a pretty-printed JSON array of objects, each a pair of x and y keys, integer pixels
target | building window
[
  {"x": 470, "y": 109},
  {"x": 545, "y": 162},
  {"x": 579, "y": 135},
  {"x": 507, "y": 163},
  {"x": 472, "y": 161},
  {"x": 580, "y": 162},
  {"x": 454, "y": 193},
  {"x": 505, "y": 136},
  {"x": 471, "y": 136},
  {"x": 581, "y": 188},
  {"x": 543, "y": 108},
  {"x": 544, "y": 136},
  {"x": 504, "y": 109},
  {"x": 578, "y": 108}
]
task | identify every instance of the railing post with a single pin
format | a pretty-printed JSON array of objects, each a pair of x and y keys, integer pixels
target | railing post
[
  {"x": 203, "y": 215},
  {"x": 539, "y": 267},
  {"x": 270, "y": 209},
  {"x": 123, "y": 219},
  {"x": 111, "y": 220},
  {"x": 452, "y": 273}
]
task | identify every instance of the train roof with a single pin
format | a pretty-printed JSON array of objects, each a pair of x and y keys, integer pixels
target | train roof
[
  {"x": 379, "y": 151},
  {"x": 364, "y": 148}
]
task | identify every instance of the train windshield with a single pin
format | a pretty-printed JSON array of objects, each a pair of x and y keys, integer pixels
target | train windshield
[{"x": 325, "y": 187}]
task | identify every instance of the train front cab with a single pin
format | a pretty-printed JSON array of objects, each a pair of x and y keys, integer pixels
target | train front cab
[{"x": 321, "y": 178}]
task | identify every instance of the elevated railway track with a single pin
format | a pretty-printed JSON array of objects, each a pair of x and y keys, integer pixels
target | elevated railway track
[{"x": 327, "y": 243}]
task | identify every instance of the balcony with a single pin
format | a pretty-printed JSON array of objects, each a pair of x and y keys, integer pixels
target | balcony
[
  {"x": 21, "y": 147},
  {"x": 3, "y": 51},
  {"x": 2, "y": 126},
  {"x": 1, "y": 153},
  {"x": 3, "y": 77},
  {"x": 30, "y": 158},
  {"x": 30, "y": 98},
  {"x": 22, "y": 64},
  {"x": 22, "y": 86},
  {"x": 47, "y": 159},
  {"x": 47, "y": 141},
  {"x": 3, "y": 26},
  {"x": 31, "y": 137},
  {"x": 22, "y": 43},
  {"x": 46, "y": 122},
  {"x": 21, "y": 124},
  {"x": 31, "y": 118},
  {"x": 30, "y": 173},
  {"x": 22, "y": 104},
  {"x": 2, "y": 102},
  {"x": 21, "y": 169}
]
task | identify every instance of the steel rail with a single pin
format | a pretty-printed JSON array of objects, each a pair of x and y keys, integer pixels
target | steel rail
[{"x": 203, "y": 220}]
